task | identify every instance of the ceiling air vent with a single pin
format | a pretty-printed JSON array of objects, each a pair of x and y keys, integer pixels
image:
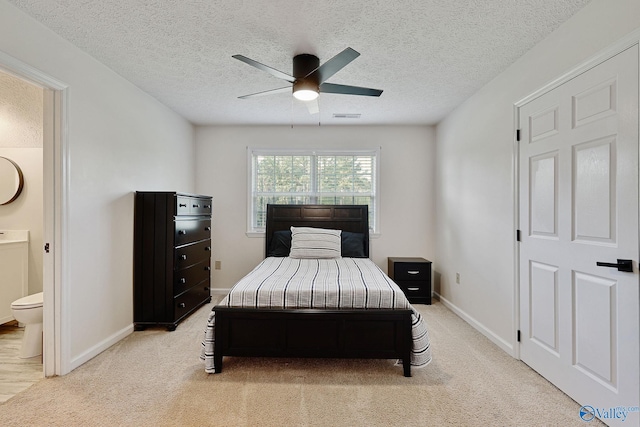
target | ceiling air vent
[{"x": 346, "y": 116}]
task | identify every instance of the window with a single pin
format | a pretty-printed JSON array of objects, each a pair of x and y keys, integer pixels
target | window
[{"x": 289, "y": 177}]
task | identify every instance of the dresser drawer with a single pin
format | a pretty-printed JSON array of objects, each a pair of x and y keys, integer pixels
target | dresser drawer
[
  {"x": 411, "y": 271},
  {"x": 188, "y": 277},
  {"x": 183, "y": 205},
  {"x": 189, "y": 300},
  {"x": 191, "y": 230},
  {"x": 200, "y": 207},
  {"x": 186, "y": 256},
  {"x": 190, "y": 205}
]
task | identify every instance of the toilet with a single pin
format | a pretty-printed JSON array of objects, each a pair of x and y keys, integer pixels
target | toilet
[{"x": 28, "y": 311}]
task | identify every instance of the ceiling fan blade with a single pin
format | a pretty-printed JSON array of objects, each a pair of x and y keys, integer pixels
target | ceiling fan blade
[
  {"x": 272, "y": 71},
  {"x": 332, "y": 66},
  {"x": 267, "y": 92},
  {"x": 349, "y": 90},
  {"x": 313, "y": 106}
]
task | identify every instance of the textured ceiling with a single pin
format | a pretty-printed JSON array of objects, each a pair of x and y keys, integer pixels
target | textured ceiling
[{"x": 427, "y": 55}]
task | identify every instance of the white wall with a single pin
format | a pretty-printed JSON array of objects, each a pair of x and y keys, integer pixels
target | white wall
[
  {"x": 475, "y": 199},
  {"x": 119, "y": 140},
  {"x": 406, "y": 195},
  {"x": 21, "y": 124}
]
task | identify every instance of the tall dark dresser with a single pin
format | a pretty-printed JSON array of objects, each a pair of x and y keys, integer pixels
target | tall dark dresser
[{"x": 172, "y": 257}]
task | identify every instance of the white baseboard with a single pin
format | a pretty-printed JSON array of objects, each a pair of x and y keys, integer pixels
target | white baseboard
[
  {"x": 504, "y": 345},
  {"x": 121, "y": 334},
  {"x": 100, "y": 347}
]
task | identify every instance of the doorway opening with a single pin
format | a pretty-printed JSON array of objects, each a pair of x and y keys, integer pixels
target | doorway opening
[{"x": 54, "y": 181}]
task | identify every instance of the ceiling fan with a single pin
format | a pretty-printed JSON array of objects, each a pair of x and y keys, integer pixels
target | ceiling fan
[{"x": 309, "y": 77}]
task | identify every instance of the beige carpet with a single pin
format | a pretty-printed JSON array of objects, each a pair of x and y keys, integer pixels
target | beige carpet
[{"x": 155, "y": 378}]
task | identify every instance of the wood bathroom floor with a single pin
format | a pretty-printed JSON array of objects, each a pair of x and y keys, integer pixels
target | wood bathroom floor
[{"x": 16, "y": 374}]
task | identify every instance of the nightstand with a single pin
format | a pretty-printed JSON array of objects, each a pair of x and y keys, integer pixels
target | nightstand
[{"x": 413, "y": 276}]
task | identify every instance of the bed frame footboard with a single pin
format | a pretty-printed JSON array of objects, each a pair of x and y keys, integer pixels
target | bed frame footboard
[{"x": 322, "y": 333}]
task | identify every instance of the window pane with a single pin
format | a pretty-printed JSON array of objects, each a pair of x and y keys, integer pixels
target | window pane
[
  {"x": 283, "y": 174},
  {"x": 345, "y": 174},
  {"x": 363, "y": 173},
  {"x": 264, "y": 167}
]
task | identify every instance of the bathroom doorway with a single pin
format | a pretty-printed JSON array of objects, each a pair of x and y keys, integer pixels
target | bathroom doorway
[
  {"x": 21, "y": 223},
  {"x": 53, "y": 185}
]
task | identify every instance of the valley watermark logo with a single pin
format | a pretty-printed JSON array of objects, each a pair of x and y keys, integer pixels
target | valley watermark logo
[{"x": 588, "y": 412}]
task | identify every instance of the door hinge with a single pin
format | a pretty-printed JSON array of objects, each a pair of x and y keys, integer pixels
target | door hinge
[
  {"x": 518, "y": 335},
  {"x": 46, "y": 247},
  {"x": 518, "y": 135},
  {"x": 518, "y": 236}
]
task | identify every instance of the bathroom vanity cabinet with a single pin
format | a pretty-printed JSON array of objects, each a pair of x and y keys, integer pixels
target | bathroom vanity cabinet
[
  {"x": 172, "y": 257},
  {"x": 14, "y": 269}
]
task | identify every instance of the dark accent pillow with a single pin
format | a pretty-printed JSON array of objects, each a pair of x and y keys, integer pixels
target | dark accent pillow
[
  {"x": 280, "y": 244},
  {"x": 353, "y": 245}
]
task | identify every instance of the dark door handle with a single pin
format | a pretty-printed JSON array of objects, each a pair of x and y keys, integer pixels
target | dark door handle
[{"x": 621, "y": 265}]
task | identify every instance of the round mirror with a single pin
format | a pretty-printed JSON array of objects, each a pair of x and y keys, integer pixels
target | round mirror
[{"x": 11, "y": 181}]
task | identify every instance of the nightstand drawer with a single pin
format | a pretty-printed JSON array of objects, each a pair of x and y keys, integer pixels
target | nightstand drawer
[
  {"x": 414, "y": 289},
  {"x": 412, "y": 271}
]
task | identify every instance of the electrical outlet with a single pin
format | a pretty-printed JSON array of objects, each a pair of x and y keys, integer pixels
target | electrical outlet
[
  {"x": 218, "y": 265},
  {"x": 458, "y": 278}
]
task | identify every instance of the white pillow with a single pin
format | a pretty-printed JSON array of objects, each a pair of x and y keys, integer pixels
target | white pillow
[{"x": 307, "y": 242}]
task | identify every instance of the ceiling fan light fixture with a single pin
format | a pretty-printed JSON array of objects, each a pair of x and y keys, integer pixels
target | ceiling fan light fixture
[
  {"x": 305, "y": 94},
  {"x": 309, "y": 77},
  {"x": 305, "y": 90}
]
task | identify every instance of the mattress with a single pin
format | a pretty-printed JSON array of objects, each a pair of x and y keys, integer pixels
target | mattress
[{"x": 354, "y": 283}]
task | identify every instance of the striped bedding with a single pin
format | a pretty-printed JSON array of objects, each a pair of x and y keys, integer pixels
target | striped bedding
[{"x": 319, "y": 283}]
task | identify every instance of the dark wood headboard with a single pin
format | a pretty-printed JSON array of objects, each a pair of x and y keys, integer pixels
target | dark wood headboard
[{"x": 354, "y": 218}]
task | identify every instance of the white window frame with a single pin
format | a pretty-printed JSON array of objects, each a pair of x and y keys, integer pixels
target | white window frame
[{"x": 251, "y": 151}]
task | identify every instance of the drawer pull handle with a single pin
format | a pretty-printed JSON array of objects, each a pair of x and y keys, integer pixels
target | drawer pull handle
[
  {"x": 207, "y": 268},
  {"x": 182, "y": 205},
  {"x": 196, "y": 206},
  {"x": 182, "y": 232},
  {"x": 207, "y": 206},
  {"x": 207, "y": 229},
  {"x": 183, "y": 280},
  {"x": 413, "y": 272},
  {"x": 413, "y": 289},
  {"x": 183, "y": 257},
  {"x": 206, "y": 288},
  {"x": 208, "y": 248},
  {"x": 182, "y": 305}
]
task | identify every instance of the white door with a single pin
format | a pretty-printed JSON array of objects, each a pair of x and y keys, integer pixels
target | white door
[{"x": 578, "y": 180}]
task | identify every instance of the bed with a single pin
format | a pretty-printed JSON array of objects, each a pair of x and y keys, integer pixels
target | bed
[{"x": 294, "y": 305}]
